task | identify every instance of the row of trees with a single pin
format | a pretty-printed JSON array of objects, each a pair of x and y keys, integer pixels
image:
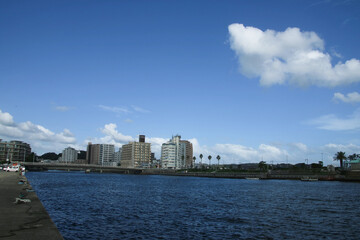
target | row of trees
[
  {"x": 341, "y": 156},
  {"x": 209, "y": 157}
]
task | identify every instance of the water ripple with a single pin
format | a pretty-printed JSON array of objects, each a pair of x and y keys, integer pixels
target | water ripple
[{"x": 110, "y": 206}]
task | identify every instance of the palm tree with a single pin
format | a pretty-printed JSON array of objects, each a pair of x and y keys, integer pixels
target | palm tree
[
  {"x": 353, "y": 156},
  {"x": 340, "y": 156},
  {"x": 262, "y": 165},
  {"x": 218, "y": 158},
  {"x": 201, "y": 156},
  {"x": 209, "y": 157},
  {"x": 194, "y": 158}
]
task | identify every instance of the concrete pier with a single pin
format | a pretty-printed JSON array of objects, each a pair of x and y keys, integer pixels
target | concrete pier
[{"x": 26, "y": 219}]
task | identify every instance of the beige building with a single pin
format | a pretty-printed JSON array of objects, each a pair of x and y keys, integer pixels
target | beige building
[
  {"x": 93, "y": 153},
  {"x": 188, "y": 153},
  {"x": 136, "y": 154},
  {"x": 14, "y": 151}
]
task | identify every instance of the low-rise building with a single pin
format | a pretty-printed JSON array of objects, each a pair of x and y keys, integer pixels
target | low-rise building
[
  {"x": 14, "y": 151},
  {"x": 355, "y": 164}
]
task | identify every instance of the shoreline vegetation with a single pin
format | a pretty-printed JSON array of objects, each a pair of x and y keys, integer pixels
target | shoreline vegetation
[
  {"x": 320, "y": 174},
  {"x": 268, "y": 175}
]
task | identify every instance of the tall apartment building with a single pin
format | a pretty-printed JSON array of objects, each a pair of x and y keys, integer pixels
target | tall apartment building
[
  {"x": 92, "y": 153},
  {"x": 106, "y": 155},
  {"x": 176, "y": 153},
  {"x": 100, "y": 154},
  {"x": 14, "y": 151},
  {"x": 168, "y": 155},
  {"x": 188, "y": 153},
  {"x": 136, "y": 154},
  {"x": 69, "y": 155}
]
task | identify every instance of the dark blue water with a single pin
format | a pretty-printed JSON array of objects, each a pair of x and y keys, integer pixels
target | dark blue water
[{"x": 112, "y": 206}]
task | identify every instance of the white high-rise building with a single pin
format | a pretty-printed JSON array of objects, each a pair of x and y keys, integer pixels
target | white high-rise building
[
  {"x": 106, "y": 154},
  {"x": 69, "y": 155},
  {"x": 174, "y": 153},
  {"x": 168, "y": 155}
]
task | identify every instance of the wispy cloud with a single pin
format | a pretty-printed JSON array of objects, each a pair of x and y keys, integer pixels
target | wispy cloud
[
  {"x": 335, "y": 123},
  {"x": 348, "y": 148},
  {"x": 346, "y": 21},
  {"x": 139, "y": 109},
  {"x": 353, "y": 97},
  {"x": 335, "y": 53},
  {"x": 289, "y": 57},
  {"x": 128, "y": 120},
  {"x": 62, "y": 108},
  {"x": 117, "y": 110}
]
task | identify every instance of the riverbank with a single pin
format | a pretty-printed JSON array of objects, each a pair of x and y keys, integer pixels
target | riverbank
[
  {"x": 271, "y": 174},
  {"x": 26, "y": 219},
  {"x": 275, "y": 175}
]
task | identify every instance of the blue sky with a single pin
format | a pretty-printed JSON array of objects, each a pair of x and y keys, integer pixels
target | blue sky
[{"x": 248, "y": 80}]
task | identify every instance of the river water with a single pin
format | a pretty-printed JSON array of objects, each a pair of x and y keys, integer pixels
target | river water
[{"x": 114, "y": 206}]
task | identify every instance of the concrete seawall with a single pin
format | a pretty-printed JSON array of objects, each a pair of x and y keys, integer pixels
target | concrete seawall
[
  {"x": 348, "y": 176},
  {"x": 26, "y": 219}
]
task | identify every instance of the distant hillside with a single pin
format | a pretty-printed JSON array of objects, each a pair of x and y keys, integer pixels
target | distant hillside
[
  {"x": 50, "y": 156},
  {"x": 82, "y": 155}
]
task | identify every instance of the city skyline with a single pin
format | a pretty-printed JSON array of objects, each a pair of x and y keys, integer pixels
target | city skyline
[{"x": 249, "y": 81}]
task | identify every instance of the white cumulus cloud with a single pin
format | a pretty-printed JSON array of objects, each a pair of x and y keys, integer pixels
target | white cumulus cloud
[
  {"x": 111, "y": 136},
  {"x": 291, "y": 56},
  {"x": 110, "y": 130},
  {"x": 156, "y": 143},
  {"x": 353, "y": 97},
  {"x": 34, "y": 134},
  {"x": 6, "y": 119},
  {"x": 235, "y": 153}
]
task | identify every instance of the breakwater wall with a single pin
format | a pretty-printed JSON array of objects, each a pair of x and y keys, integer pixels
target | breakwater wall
[
  {"x": 274, "y": 174},
  {"x": 22, "y": 214},
  {"x": 348, "y": 176}
]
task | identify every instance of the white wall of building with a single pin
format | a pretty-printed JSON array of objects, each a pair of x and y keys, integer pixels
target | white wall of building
[
  {"x": 173, "y": 154},
  {"x": 69, "y": 155},
  {"x": 106, "y": 154}
]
